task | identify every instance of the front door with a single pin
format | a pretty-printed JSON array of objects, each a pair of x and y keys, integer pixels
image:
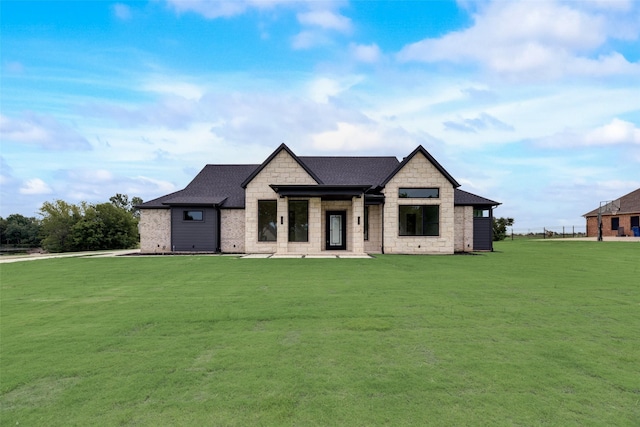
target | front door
[{"x": 336, "y": 230}]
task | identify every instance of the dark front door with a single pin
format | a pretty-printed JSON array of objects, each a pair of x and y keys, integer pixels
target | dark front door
[{"x": 336, "y": 230}]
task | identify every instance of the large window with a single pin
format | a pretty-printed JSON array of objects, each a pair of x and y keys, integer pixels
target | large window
[
  {"x": 422, "y": 220},
  {"x": 192, "y": 215},
  {"x": 419, "y": 193},
  {"x": 298, "y": 221},
  {"x": 267, "y": 220}
]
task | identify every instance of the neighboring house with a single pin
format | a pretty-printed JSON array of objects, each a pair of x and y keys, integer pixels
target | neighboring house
[
  {"x": 310, "y": 205},
  {"x": 619, "y": 223}
]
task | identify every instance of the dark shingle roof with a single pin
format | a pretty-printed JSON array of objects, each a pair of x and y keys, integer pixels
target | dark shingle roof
[
  {"x": 464, "y": 198},
  {"x": 629, "y": 203},
  {"x": 351, "y": 170},
  {"x": 223, "y": 185},
  {"x": 214, "y": 183}
]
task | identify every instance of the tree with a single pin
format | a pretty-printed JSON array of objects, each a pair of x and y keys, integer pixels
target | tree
[
  {"x": 19, "y": 230},
  {"x": 58, "y": 220},
  {"x": 67, "y": 227},
  {"x": 500, "y": 227},
  {"x": 122, "y": 201},
  {"x": 105, "y": 226}
]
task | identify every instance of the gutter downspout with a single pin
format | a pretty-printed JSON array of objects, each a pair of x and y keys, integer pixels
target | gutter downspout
[{"x": 382, "y": 209}]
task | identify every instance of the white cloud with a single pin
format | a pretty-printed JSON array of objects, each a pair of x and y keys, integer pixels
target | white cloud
[
  {"x": 35, "y": 186},
  {"x": 210, "y": 9},
  {"x": 617, "y": 132},
  {"x": 484, "y": 121},
  {"x": 365, "y": 53},
  {"x": 122, "y": 11},
  {"x": 531, "y": 40},
  {"x": 325, "y": 19},
  {"x": 322, "y": 89},
  {"x": 369, "y": 137},
  {"x": 308, "y": 39},
  {"x": 176, "y": 88},
  {"x": 41, "y": 130}
]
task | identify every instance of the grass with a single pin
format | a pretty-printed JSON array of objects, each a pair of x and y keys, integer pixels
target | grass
[{"x": 537, "y": 333}]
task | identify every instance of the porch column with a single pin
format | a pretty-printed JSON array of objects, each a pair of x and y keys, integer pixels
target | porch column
[
  {"x": 283, "y": 225},
  {"x": 357, "y": 225}
]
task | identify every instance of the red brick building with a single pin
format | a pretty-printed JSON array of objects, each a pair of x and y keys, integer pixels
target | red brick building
[{"x": 618, "y": 223}]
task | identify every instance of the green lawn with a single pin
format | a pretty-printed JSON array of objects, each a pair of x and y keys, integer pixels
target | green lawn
[{"x": 537, "y": 333}]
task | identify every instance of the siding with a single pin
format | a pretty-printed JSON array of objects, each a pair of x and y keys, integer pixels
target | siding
[
  {"x": 194, "y": 236},
  {"x": 482, "y": 234}
]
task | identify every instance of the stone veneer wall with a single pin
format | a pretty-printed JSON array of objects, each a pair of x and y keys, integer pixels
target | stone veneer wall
[
  {"x": 155, "y": 230},
  {"x": 418, "y": 173},
  {"x": 232, "y": 233},
  {"x": 374, "y": 244},
  {"x": 463, "y": 228},
  {"x": 283, "y": 169}
]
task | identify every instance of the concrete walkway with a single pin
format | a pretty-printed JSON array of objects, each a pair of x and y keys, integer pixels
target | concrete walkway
[{"x": 94, "y": 254}]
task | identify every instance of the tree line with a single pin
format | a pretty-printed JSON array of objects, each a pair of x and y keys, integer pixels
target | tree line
[{"x": 66, "y": 227}]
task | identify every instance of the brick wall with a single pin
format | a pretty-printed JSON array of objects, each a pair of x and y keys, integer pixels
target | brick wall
[
  {"x": 624, "y": 221},
  {"x": 419, "y": 172},
  {"x": 155, "y": 230},
  {"x": 463, "y": 228},
  {"x": 232, "y": 232}
]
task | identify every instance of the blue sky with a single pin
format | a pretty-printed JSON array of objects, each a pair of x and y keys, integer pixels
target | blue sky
[{"x": 535, "y": 104}]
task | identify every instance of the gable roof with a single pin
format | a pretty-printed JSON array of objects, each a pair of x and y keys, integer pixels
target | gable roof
[
  {"x": 224, "y": 185},
  {"x": 430, "y": 158},
  {"x": 271, "y": 157},
  {"x": 629, "y": 204},
  {"x": 464, "y": 198}
]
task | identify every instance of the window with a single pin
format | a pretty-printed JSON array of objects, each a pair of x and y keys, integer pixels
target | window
[
  {"x": 481, "y": 213},
  {"x": 298, "y": 221},
  {"x": 615, "y": 223},
  {"x": 192, "y": 215},
  {"x": 366, "y": 223},
  {"x": 419, "y": 193},
  {"x": 635, "y": 221},
  {"x": 422, "y": 220},
  {"x": 267, "y": 220}
]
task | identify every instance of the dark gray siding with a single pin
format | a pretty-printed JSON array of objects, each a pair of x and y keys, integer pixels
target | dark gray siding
[
  {"x": 482, "y": 234},
  {"x": 194, "y": 236}
]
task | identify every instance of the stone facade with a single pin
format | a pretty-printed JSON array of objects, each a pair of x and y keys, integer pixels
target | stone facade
[
  {"x": 155, "y": 230},
  {"x": 419, "y": 172},
  {"x": 374, "y": 244},
  {"x": 463, "y": 224},
  {"x": 232, "y": 230},
  {"x": 238, "y": 226},
  {"x": 283, "y": 169}
]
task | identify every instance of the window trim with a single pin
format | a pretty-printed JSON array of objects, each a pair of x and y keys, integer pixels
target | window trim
[
  {"x": 185, "y": 213},
  {"x": 292, "y": 224},
  {"x": 275, "y": 221},
  {"x": 407, "y": 196},
  {"x": 425, "y": 225}
]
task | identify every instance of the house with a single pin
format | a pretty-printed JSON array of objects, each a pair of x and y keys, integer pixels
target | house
[
  {"x": 293, "y": 204},
  {"x": 618, "y": 217}
]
